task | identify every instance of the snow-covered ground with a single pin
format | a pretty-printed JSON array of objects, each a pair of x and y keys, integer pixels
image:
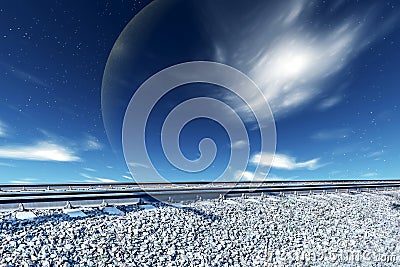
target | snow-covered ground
[{"x": 317, "y": 230}]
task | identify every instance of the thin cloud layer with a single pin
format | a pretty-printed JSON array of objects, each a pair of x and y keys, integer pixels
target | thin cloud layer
[
  {"x": 331, "y": 134},
  {"x": 3, "y": 130},
  {"x": 239, "y": 144},
  {"x": 23, "y": 75},
  {"x": 249, "y": 176},
  {"x": 291, "y": 53},
  {"x": 329, "y": 102},
  {"x": 3, "y": 164},
  {"x": 93, "y": 179},
  {"x": 127, "y": 177},
  {"x": 369, "y": 174},
  {"x": 135, "y": 165},
  {"x": 24, "y": 181},
  {"x": 281, "y": 161},
  {"x": 43, "y": 151},
  {"x": 92, "y": 143},
  {"x": 89, "y": 169}
]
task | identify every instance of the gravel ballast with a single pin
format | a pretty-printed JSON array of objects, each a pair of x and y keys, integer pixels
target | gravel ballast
[{"x": 316, "y": 230}]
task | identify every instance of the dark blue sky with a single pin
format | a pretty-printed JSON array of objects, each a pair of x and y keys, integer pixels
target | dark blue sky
[{"x": 330, "y": 72}]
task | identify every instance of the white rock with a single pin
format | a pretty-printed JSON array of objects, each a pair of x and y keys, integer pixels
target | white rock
[
  {"x": 74, "y": 213},
  {"x": 147, "y": 207},
  {"x": 25, "y": 215},
  {"x": 113, "y": 211}
]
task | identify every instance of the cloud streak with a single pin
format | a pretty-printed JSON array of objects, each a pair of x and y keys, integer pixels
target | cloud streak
[
  {"x": 42, "y": 151},
  {"x": 92, "y": 144},
  {"x": 329, "y": 102},
  {"x": 24, "y": 181},
  {"x": 375, "y": 154},
  {"x": 3, "y": 129},
  {"x": 331, "y": 134},
  {"x": 89, "y": 169},
  {"x": 127, "y": 177},
  {"x": 92, "y": 179},
  {"x": 2, "y": 164},
  {"x": 369, "y": 174},
  {"x": 281, "y": 161},
  {"x": 239, "y": 144},
  {"x": 135, "y": 165},
  {"x": 24, "y": 76},
  {"x": 290, "y": 53}
]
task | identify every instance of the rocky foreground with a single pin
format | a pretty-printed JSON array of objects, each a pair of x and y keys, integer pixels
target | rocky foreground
[{"x": 317, "y": 230}]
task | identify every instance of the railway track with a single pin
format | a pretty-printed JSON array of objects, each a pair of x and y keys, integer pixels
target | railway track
[{"x": 58, "y": 196}]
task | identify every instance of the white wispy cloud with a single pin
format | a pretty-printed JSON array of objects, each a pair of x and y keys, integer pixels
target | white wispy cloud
[
  {"x": 42, "y": 151},
  {"x": 101, "y": 180},
  {"x": 291, "y": 59},
  {"x": 133, "y": 164},
  {"x": 281, "y": 161},
  {"x": 329, "y": 102},
  {"x": 244, "y": 176},
  {"x": 92, "y": 143},
  {"x": 331, "y": 134},
  {"x": 249, "y": 176},
  {"x": 292, "y": 70},
  {"x": 369, "y": 174},
  {"x": 93, "y": 179},
  {"x": 27, "y": 180},
  {"x": 85, "y": 175},
  {"x": 239, "y": 144},
  {"x": 106, "y": 180},
  {"x": 3, "y": 129},
  {"x": 23, "y": 75},
  {"x": 375, "y": 154},
  {"x": 3, "y": 164},
  {"x": 127, "y": 177},
  {"x": 89, "y": 169}
]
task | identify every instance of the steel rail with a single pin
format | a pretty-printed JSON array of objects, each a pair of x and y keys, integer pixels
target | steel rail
[
  {"x": 83, "y": 198},
  {"x": 279, "y": 187},
  {"x": 132, "y": 184}
]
